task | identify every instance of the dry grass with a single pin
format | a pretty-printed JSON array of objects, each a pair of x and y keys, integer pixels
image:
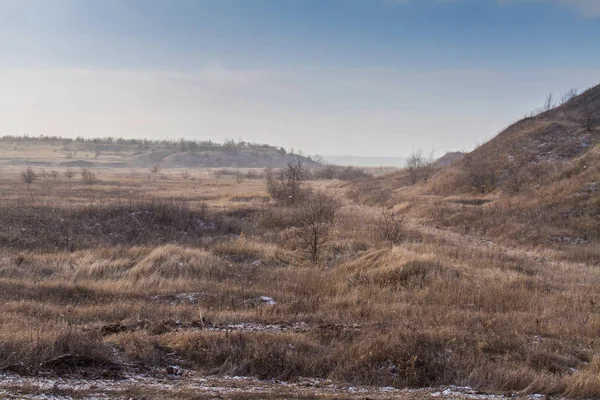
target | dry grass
[{"x": 179, "y": 279}]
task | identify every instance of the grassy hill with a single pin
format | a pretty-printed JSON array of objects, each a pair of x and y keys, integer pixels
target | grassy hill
[
  {"x": 110, "y": 152},
  {"x": 536, "y": 183}
]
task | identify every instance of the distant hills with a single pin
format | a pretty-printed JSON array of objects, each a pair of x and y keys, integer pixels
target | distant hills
[
  {"x": 449, "y": 158},
  {"x": 359, "y": 161},
  {"x": 118, "y": 152}
]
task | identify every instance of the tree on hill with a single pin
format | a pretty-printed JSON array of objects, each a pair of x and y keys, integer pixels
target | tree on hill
[
  {"x": 481, "y": 171},
  {"x": 414, "y": 164}
]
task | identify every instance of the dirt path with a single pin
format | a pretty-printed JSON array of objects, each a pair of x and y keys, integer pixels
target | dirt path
[{"x": 486, "y": 244}]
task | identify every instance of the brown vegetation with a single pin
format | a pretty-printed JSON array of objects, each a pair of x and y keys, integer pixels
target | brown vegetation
[
  {"x": 446, "y": 286},
  {"x": 121, "y": 283}
]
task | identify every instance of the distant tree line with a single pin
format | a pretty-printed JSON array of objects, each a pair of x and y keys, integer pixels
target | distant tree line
[{"x": 183, "y": 144}]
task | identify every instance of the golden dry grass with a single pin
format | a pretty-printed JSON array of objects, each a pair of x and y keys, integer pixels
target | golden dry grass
[{"x": 185, "y": 286}]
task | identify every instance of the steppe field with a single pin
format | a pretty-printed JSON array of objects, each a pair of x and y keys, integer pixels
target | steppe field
[{"x": 140, "y": 283}]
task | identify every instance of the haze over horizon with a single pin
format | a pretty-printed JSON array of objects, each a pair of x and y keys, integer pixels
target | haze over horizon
[{"x": 338, "y": 77}]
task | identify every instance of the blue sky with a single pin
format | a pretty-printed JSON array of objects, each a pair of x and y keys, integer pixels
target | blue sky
[{"x": 361, "y": 77}]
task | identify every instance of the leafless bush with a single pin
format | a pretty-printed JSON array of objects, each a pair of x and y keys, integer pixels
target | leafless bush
[
  {"x": 155, "y": 169},
  {"x": 516, "y": 175},
  {"x": 343, "y": 173},
  {"x": 313, "y": 221},
  {"x": 327, "y": 172},
  {"x": 549, "y": 103},
  {"x": 253, "y": 174},
  {"x": 69, "y": 173},
  {"x": 239, "y": 177},
  {"x": 480, "y": 171},
  {"x": 286, "y": 186},
  {"x": 54, "y": 174},
  {"x": 428, "y": 167},
  {"x": 414, "y": 165},
  {"x": 389, "y": 228},
  {"x": 29, "y": 176},
  {"x": 568, "y": 96},
  {"x": 88, "y": 176}
]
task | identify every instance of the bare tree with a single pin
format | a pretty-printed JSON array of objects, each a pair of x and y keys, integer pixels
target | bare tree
[
  {"x": 515, "y": 175},
  {"x": 69, "y": 173},
  {"x": 155, "y": 169},
  {"x": 239, "y": 176},
  {"x": 313, "y": 221},
  {"x": 549, "y": 103},
  {"x": 570, "y": 95},
  {"x": 428, "y": 167},
  {"x": 481, "y": 171},
  {"x": 88, "y": 176},
  {"x": 29, "y": 176},
  {"x": 287, "y": 185},
  {"x": 414, "y": 165}
]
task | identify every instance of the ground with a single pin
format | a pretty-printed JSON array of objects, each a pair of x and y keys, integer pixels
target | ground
[{"x": 178, "y": 283}]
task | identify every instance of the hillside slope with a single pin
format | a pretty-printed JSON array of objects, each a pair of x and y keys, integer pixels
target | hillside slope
[
  {"x": 535, "y": 184},
  {"x": 534, "y": 148}
]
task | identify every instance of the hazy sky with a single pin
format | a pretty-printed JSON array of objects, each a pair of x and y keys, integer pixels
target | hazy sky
[{"x": 360, "y": 77}]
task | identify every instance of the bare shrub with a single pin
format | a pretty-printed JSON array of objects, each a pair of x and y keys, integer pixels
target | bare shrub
[
  {"x": 549, "y": 103},
  {"x": 343, "y": 173},
  {"x": 147, "y": 222},
  {"x": 239, "y": 177},
  {"x": 313, "y": 221},
  {"x": 480, "y": 171},
  {"x": 155, "y": 169},
  {"x": 88, "y": 176},
  {"x": 389, "y": 228},
  {"x": 54, "y": 174},
  {"x": 327, "y": 172},
  {"x": 427, "y": 168},
  {"x": 69, "y": 173},
  {"x": 568, "y": 96},
  {"x": 516, "y": 175},
  {"x": 29, "y": 176},
  {"x": 286, "y": 186},
  {"x": 414, "y": 165}
]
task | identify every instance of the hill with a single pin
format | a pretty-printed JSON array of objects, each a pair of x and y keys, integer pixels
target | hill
[
  {"x": 530, "y": 151},
  {"x": 536, "y": 184},
  {"x": 366, "y": 161},
  {"x": 449, "y": 158},
  {"x": 114, "y": 153}
]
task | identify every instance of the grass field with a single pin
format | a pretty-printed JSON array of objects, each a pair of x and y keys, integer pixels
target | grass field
[{"x": 142, "y": 271}]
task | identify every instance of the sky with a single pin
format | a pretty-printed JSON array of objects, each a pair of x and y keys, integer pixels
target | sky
[{"x": 327, "y": 77}]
